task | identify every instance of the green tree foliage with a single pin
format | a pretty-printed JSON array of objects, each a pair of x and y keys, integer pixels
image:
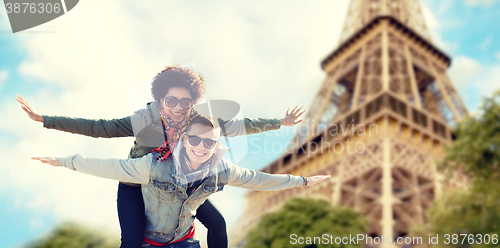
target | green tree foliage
[
  {"x": 70, "y": 235},
  {"x": 306, "y": 218},
  {"x": 476, "y": 149},
  {"x": 475, "y": 152}
]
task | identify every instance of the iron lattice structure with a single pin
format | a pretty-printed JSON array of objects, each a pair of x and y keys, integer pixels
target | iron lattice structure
[{"x": 386, "y": 90}]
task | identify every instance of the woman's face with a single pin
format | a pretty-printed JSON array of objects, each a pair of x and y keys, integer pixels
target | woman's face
[
  {"x": 177, "y": 113},
  {"x": 199, "y": 153}
]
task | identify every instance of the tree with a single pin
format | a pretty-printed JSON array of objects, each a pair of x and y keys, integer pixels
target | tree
[
  {"x": 71, "y": 235},
  {"x": 306, "y": 218},
  {"x": 476, "y": 153},
  {"x": 476, "y": 149}
]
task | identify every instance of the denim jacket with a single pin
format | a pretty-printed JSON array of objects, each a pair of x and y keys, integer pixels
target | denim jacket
[{"x": 169, "y": 210}]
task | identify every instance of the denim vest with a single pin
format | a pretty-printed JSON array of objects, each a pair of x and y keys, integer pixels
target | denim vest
[{"x": 169, "y": 210}]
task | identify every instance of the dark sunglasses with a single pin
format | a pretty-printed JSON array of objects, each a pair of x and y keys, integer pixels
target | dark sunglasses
[
  {"x": 171, "y": 101},
  {"x": 195, "y": 140}
]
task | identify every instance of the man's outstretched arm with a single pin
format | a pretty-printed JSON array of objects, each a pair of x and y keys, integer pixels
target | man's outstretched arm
[
  {"x": 256, "y": 180},
  {"x": 125, "y": 170}
]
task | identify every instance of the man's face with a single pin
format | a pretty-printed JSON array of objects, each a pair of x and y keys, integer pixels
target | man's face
[
  {"x": 177, "y": 113},
  {"x": 200, "y": 152}
]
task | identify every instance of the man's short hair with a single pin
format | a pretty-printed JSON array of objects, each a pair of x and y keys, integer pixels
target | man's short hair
[
  {"x": 201, "y": 119},
  {"x": 176, "y": 76}
]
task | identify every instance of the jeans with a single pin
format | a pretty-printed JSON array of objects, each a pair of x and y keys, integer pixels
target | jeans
[
  {"x": 211, "y": 218},
  {"x": 188, "y": 243},
  {"x": 131, "y": 215},
  {"x": 133, "y": 220}
]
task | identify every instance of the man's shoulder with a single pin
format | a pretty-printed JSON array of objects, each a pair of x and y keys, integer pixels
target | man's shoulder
[{"x": 225, "y": 166}]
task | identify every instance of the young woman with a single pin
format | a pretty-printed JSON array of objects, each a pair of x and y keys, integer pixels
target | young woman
[
  {"x": 158, "y": 127},
  {"x": 174, "y": 188}
]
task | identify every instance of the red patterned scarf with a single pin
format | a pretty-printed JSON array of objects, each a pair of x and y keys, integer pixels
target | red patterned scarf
[{"x": 173, "y": 131}]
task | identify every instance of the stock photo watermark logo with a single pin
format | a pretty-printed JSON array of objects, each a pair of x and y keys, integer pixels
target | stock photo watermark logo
[
  {"x": 339, "y": 138},
  {"x": 26, "y": 14},
  {"x": 227, "y": 118}
]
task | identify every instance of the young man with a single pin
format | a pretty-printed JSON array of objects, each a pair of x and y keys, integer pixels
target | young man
[{"x": 174, "y": 188}]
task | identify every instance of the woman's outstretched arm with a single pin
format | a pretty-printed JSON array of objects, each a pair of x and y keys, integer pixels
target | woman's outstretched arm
[
  {"x": 97, "y": 128},
  {"x": 246, "y": 126}
]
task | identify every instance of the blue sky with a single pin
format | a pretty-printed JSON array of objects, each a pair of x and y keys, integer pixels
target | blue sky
[{"x": 263, "y": 55}]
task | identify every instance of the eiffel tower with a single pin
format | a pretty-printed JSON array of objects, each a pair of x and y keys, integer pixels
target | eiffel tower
[{"x": 386, "y": 84}]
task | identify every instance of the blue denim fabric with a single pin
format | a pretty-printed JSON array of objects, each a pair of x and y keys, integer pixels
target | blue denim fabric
[
  {"x": 132, "y": 223},
  {"x": 169, "y": 210},
  {"x": 131, "y": 215},
  {"x": 188, "y": 243}
]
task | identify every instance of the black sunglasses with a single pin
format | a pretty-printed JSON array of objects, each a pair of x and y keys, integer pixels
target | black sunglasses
[
  {"x": 171, "y": 101},
  {"x": 195, "y": 140}
]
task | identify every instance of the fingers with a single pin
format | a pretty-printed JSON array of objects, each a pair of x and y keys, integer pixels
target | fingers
[
  {"x": 311, "y": 181},
  {"x": 296, "y": 111},
  {"x": 21, "y": 100},
  {"x": 18, "y": 98},
  {"x": 321, "y": 177},
  {"x": 41, "y": 159},
  {"x": 48, "y": 160},
  {"x": 298, "y": 116},
  {"x": 24, "y": 105},
  {"x": 297, "y": 122}
]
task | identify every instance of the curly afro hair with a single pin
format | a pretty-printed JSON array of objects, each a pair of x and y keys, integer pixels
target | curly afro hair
[{"x": 176, "y": 76}]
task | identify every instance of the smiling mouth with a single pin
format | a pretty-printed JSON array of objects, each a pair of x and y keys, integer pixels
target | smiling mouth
[
  {"x": 177, "y": 114},
  {"x": 199, "y": 154}
]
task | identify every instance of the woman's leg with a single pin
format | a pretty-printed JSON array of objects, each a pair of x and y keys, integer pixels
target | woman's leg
[
  {"x": 131, "y": 215},
  {"x": 211, "y": 218}
]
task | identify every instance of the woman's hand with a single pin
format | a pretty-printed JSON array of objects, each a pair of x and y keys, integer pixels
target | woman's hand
[
  {"x": 27, "y": 108},
  {"x": 48, "y": 160},
  {"x": 290, "y": 118},
  {"x": 316, "y": 179}
]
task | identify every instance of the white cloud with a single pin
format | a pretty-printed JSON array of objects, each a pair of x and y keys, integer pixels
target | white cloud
[
  {"x": 486, "y": 43},
  {"x": 482, "y": 3},
  {"x": 491, "y": 81},
  {"x": 471, "y": 78},
  {"x": 36, "y": 222},
  {"x": 3, "y": 77},
  {"x": 435, "y": 28},
  {"x": 464, "y": 71},
  {"x": 266, "y": 56},
  {"x": 498, "y": 55}
]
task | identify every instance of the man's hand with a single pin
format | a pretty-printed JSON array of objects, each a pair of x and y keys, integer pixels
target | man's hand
[
  {"x": 290, "y": 118},
  {"x": 316, "y": 179},
  {"x": 27, "y": 108},
  {"x": 48, "y": 160}
]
